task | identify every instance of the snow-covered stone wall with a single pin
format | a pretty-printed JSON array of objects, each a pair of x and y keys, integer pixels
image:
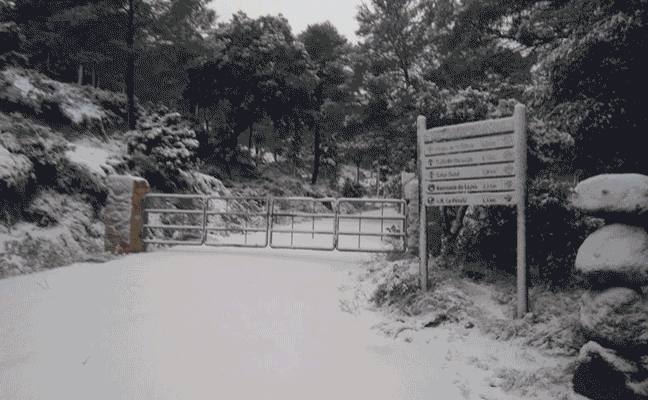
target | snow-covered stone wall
[{"x": 123, "y": 213}]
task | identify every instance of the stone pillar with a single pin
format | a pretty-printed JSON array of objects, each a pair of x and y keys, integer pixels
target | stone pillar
[
  {"x": 123, "y": 215},
  {"x": 614, "y": 313}
]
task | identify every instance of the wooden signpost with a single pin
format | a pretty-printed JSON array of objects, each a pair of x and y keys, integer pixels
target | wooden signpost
[{"x": 479, "y": 163}]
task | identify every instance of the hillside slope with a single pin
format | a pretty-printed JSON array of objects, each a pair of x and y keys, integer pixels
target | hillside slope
[{"x": 58, "y": 142}]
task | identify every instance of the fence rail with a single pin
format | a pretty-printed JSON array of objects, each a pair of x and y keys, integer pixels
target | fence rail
[{"x": 182, "y": 219}]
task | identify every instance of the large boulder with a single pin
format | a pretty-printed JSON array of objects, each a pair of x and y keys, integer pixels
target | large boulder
[
  {"x": 615, "y": 255},
  {"x": 613, "y": 196},
  {"x": 602, "y": 374},
  {"x": 616, "y": 317}
]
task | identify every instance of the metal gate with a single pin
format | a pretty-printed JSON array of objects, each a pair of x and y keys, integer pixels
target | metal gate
[{"x": 344, "y": 224}]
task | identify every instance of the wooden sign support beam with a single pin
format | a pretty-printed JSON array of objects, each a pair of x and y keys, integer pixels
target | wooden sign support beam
[
  {"x": 482, "y": 163},
  {"x": 519, "y": 123},
  {"x": 421, "y": 126}
]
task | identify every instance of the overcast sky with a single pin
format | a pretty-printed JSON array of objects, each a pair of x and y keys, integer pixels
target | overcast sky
[{"x": 300, "y": 13}]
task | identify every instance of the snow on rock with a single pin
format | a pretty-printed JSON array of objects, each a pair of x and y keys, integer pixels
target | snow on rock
[
  {"x": 613, "y": 195},
  {"x": 615, "y": 255},
  {"x": 64, "y": 231},
  {"x": 617, "y": 317},
  {"x": 94, "y": 155},
  {"x": 15, "y": 169},
  {"x": 602, "y": 374}
]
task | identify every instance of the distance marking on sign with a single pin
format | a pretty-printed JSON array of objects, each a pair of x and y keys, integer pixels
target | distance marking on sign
[
  {"x": 480, "y": 171},
  {"x": 480, "y": 143},
  {"x": 470, "y": 199},
  {"x": 472, "y": 185},
  {"x": 481, "y": 157}
]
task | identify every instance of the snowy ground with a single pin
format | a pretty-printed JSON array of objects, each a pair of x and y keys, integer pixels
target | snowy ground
[{"x": 222, "y": 323}]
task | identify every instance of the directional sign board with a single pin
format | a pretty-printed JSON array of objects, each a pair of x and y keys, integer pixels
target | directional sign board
[
  {"x": 479, "y": 163},
  {"x": 470, "y": 165}
]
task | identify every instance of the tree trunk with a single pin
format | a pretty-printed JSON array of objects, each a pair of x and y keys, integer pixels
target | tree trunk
[
  {"x": 94, "y": 76},
  {"x": 251, "y": 139},
  {"x": 80, "y": 75},
  {"x": 130, "y": 65},
  {"x": 317, "y": 153},
  {"x": 358, "y": 173}
]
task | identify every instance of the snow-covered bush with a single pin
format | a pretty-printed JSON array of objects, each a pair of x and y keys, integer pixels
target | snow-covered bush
[
  {"x": 15, "y": 175},
  {"x": 32, "y": 157},
  {"x": 39, "y": 144},
  {"x": 162, "y": 147},
  {"x": 15, "y": 169},
  {"x": 77, "y": 179},
  {"x": 64, "y": 231},
  {"x": 352, "y": 189},
  {"x": 81, "y": 107}
]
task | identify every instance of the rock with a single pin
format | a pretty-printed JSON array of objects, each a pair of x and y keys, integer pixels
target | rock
[
  {"x": 437, "y": 320},
  {"x": 613, "y": 195},
  {"x": 602, "y": 374},
  {"x": 615, "y": 255},
  {"x": 616, "y": 317}
]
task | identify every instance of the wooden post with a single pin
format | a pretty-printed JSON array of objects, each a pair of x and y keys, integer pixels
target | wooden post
[
  {"x": 519, "y": 122},
  {"x": 421, "y": 126}
]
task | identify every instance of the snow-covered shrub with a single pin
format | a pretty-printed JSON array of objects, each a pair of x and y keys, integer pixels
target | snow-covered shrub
[
  {"x": 352, "y": 189},
  {"x": 162, "y": 147},
  {"x": 39, "y": 144},
  {"x": 81, "y": 107},
  {"x": 15, "y": 176},
  {"x": 65, "y": 231},
  {"x": 33, "y": 157},
  {"x": 196, "y": 182},
  {"x": 399, "y": 286},
  {"x": 15, "y": 169},
  {"x": 77, "y": 179}
]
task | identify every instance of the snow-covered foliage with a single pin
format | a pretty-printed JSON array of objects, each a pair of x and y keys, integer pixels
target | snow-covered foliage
[
  {"x": 63, "y": 230},
  {"x": 37, "y": 142},
  {"x": 15, "y": 169},
  {"x": 81, "y": 107},
  {"x": 200, "y": 183},
  {"x": 161, "y": 147},
  {"x": 49, "y": 197},
  {"x": 95, "y": 155}
]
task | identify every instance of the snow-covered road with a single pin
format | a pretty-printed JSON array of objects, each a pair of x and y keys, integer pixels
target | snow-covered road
[{"x": 199, "y": 323}]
